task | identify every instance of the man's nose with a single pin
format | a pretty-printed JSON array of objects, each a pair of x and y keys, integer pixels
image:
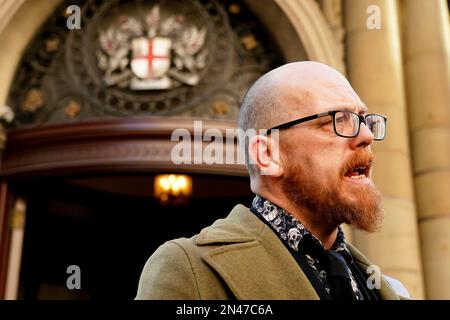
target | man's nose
[{"x": 363, "y": 139}]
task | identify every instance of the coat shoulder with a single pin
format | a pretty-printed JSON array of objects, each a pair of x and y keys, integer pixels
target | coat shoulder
[
  {"x": 167, "y": 274},
  {"x": 176, "y": 270}
]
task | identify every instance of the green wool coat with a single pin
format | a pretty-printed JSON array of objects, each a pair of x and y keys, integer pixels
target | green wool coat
[{"x": 238, "y": 257}]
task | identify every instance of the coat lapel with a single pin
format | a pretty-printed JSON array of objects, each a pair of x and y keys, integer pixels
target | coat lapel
[
  {"x": 254, "y": 264},
  {"x": 385, "y": 292}
]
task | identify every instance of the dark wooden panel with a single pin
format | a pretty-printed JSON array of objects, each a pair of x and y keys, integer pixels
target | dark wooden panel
[{"x": 115, "y": 145}]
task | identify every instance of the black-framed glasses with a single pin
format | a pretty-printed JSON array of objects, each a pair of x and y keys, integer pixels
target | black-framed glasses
[{"x": 346, "y": 123}]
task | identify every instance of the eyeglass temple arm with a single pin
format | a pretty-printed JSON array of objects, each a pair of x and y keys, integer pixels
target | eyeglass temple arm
[{"x": 301, "y": 120}]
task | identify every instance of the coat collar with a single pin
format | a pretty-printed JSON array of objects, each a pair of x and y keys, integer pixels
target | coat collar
[
  {"x": 256, "y": 265},
  {"x": 385, "y": 291}
]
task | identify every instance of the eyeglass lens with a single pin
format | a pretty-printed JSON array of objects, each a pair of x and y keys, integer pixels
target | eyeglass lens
[{"x": 347, "y": 124}]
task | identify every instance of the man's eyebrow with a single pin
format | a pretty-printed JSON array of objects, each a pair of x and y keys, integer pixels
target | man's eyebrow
[{"x": 363, "y": 110}]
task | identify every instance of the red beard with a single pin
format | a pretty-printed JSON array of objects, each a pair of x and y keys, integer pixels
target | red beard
[{"x": 327, "y": 203}]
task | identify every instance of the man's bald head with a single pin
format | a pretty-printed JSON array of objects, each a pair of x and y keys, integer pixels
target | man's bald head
[{"x": 292, "y": 90}]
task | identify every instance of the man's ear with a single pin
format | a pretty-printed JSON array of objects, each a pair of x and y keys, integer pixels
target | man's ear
[{"x": 264, "y": 152}]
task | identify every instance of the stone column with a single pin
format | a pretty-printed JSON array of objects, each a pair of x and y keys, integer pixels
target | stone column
[
  {"x": 426, "y": 40},
  {"x": 374, "y": 65}
]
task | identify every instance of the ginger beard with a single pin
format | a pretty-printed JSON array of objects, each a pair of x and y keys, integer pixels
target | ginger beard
[{"x": 332, "y": 204}]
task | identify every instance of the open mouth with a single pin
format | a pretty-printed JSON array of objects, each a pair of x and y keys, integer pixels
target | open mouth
[{"x": 359, "y": 173}]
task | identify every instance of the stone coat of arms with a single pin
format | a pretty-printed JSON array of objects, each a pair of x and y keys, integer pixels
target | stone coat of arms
[{"x": 153, "y": 54}]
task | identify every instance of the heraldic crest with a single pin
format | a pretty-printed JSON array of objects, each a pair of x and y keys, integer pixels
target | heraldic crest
[{"x": 153, "y": 53}]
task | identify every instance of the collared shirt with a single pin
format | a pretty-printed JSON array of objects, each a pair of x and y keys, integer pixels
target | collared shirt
[{"x": 297, "y": 237}]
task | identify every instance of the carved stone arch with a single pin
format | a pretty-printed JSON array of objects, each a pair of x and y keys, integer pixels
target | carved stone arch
[
  {"x": 313, "y": 31},
  {"x": 18, "y": 24}
]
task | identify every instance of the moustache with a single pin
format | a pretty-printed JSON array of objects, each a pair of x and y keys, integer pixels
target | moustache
[{"x": 359, "y": 162}]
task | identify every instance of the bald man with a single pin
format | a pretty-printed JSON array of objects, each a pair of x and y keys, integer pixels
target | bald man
[{"x": 311, "y": 172}]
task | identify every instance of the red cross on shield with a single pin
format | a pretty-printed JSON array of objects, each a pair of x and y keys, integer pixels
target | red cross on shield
[{"x": 150, "y": 57}]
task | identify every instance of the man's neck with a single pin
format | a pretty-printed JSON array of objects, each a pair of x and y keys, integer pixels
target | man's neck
[{"x": 327, "y": 237}]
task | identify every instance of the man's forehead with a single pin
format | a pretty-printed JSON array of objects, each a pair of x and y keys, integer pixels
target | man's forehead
[
  {"x": 307, "y": 103},
  {"x": 315, "y": 90}
]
